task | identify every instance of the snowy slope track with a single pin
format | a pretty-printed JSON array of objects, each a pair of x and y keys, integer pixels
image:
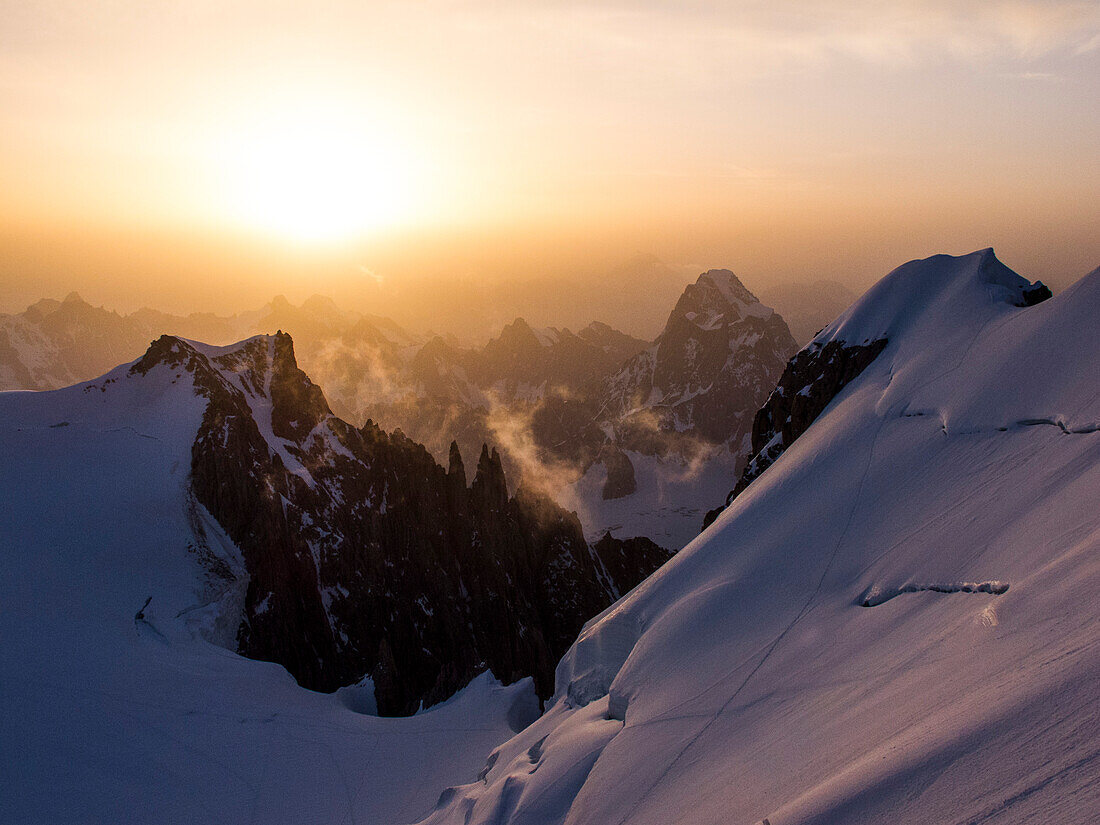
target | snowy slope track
[{"x": 743, "y": 681}]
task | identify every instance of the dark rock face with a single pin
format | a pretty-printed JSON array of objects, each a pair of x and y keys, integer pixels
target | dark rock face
[
  {"x": 1035, "y": 294},
  {"x": 367, "y": 558},
  {"x": 620, "y": 474},
  {"x": 811, "y": 380},
  {"x": 623, "y": 559}
]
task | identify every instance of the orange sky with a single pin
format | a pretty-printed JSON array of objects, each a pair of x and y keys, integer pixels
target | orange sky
[{"x": 193, "y": 156}]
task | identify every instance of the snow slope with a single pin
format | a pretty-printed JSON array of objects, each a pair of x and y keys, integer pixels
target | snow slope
[
  {"x": 118, "y": 712},
  {"x": 745, "y": 680}
]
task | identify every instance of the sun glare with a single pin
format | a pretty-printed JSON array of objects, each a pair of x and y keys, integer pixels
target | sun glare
[{"x": 311, "y": 177}]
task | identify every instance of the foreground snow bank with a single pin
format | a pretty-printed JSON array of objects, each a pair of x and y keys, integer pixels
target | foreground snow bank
[{"x": 744, "y": 680}]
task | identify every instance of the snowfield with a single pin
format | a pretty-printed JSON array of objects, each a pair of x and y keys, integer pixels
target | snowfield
[
  {"x": 957, "y": 480},
  {"x": 115, "y": 712}
]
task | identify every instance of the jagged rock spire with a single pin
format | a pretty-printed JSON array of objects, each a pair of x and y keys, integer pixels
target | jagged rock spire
[
  {"x": 456, "y": 479},
  {"x": 489, "y": 485},
  {"x": 298, "y": 405},
  {"x": 455, "y": 469}
]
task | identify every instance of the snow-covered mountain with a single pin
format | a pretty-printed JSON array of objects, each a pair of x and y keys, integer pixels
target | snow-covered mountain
[
  {"x": 675, "y": 420},
  {"x": 709, "y": 370},
  {"x": 895, "y": 621}
]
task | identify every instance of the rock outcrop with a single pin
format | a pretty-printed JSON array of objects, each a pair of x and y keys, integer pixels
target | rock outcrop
[
  {"x": 811, "y": 380},
  {"x": 366, "y": 558}
]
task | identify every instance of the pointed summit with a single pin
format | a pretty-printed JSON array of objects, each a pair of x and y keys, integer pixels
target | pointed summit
[
  {"x": 516, "y": 334},
  {"x": 489, "y": 484},
  {"x": 297, "y": 404},
  {"x": 325, "y": 309},
  {"x": 455, "y": 469},
  {"x": 484, "y": 464},
  {"x": 712, "y": 366},
  {"x": 717, "y": 298},
  {"x": 728, "y": 285},
  {"x": 520, "y": 335}
]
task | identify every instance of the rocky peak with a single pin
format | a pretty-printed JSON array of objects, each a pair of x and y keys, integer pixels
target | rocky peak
[
  {"x": 597, "y": 329},
  {"x": 435, "y": 352},
  {"x": 489, "y": 485},
  {"x": 516, "y": 340},
  {"x": 367, "y": 558},
  {"x": 717, "y": 299},
  {"x": 711, "y": 368},
  {"x": 364, "y": 332},
  {"x": 455, "y": 469},
  {"x": 314, "y": 321},
  {"x": 322, "y": 305},
  {"x": 728, "y": 285},
  {"x": 264, "y": 367},
  {"x": 297, "y": 404},
  {"x": 610, "y": 340},
  {"x": 438, "y": 373},
  {"x": 1035, "y": 294},
  {"x": 172, "y": 351},
  {"x": 456, "y": 477},
  {"x": 518, "y": 330}
]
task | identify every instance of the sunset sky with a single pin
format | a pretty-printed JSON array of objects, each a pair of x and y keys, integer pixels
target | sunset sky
[{"x": 206, "y": 155}]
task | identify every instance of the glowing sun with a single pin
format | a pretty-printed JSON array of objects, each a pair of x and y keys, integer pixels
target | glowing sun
[{"x": 312, "y": 177}]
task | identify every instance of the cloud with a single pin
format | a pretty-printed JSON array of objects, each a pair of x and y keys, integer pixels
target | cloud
[{"x": 759, "y": 37}]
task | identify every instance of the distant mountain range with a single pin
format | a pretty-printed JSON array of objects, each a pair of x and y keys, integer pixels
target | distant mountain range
[{"x": 625, "y": 432}]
